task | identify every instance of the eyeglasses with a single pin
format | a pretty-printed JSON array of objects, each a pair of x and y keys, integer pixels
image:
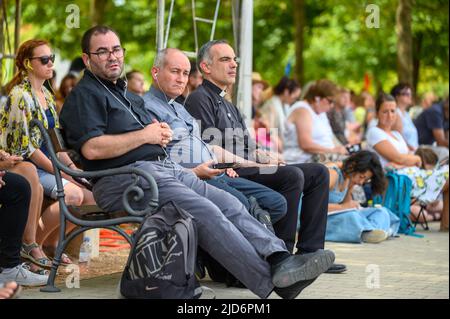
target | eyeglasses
[
  {"x": 103, "y": 55},
  {"x": 45, "y": 59}
]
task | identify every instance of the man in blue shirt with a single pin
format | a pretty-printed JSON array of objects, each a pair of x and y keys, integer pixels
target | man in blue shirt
[{"x": 189, "y": 150}]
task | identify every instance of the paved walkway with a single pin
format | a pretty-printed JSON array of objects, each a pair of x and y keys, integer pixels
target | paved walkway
[{"x": 404, "y": 267}]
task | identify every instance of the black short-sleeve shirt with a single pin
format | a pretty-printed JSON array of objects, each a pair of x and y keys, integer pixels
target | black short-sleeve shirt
[{"x": 97, "y": 107}]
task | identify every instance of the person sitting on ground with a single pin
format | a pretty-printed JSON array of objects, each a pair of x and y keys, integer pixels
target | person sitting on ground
[
  {"x": 15, "y": 194},
  {"x": 308, "y": 136},
  {"x": 121, "y": 132},
  {"x": 404, "y": 125},
  {"x": 28, "y": 99},
  {"x": 394, "y": 153},
  {"x": 135, "y": 82},
  {"x": 357, "y": 224}
]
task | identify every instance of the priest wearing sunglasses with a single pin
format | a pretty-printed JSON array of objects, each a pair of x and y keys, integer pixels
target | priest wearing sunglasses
[{"x": 28, "y": 99}]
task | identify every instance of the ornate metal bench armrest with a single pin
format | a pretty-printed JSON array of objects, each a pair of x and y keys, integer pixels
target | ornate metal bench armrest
[{"x": 134, "y": 191}]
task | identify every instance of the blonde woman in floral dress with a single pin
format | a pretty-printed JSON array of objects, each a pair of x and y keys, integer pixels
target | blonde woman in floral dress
[{"x": 28, "y": 99}]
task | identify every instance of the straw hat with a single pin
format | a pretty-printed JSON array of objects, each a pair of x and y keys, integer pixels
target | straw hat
[{"x": 257, "y": 78}]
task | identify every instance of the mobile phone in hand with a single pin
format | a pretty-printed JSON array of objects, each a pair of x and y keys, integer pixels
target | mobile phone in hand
[{"x": 225, "y": 165}]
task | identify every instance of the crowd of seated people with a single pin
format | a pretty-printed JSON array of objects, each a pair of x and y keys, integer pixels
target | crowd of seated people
[
  {"x": 426, "y": 136},
  {"x": 281, "y": 174}
]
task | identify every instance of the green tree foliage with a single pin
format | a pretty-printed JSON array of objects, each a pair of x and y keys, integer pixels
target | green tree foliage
[{"x": 338, "y": 43}]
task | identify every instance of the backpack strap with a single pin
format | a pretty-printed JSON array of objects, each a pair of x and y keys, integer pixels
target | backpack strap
[
  {"x": 405, "y": 206},
  {"x": 186, "y": 230},
  {"x": 390, "y": 197}
]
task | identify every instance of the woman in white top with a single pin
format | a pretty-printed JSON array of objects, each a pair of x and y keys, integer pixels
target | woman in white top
[
  {"x": 394, "y": 152},
  {"x": 388, "y": 143},
  {"x": 308, "y": 133}
]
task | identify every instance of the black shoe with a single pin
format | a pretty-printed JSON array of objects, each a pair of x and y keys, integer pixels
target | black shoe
[
  {"x": 293, "y": 291},
  {"x": 298, "y": 268},
  {"x": 336, "y": 269},
  {"x": 260, "y": 214}
]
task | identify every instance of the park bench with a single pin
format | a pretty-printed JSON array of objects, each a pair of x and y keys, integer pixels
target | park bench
[{"x": 91, "y": 217}]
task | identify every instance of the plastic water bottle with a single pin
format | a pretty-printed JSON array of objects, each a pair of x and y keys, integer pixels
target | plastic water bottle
[{"x": 85, "y": 253}]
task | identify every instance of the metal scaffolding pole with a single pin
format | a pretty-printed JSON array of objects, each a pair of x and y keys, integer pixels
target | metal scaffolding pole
[
  {"x": 160, "y": 26},
  {"x": 245, "y": 51},
  {"x": 243, "y": 40}
]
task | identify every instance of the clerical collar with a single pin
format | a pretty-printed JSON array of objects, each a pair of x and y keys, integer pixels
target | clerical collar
[
  {"x": 214, "y": 88},
  {"x": 160, "y": 95}
]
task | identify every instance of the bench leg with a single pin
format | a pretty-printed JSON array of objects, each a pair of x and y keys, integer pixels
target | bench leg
[{"x": 50, "y": 287}]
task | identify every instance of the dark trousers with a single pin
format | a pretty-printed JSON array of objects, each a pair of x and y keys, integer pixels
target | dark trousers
[
  {"x": 242, "y": 188},
  {"x": 291, "y": 181},
  {"x": 14, "y": 201}
]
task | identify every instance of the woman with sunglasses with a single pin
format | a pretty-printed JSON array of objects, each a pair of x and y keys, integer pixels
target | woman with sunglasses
[
  {"x": 308, "y": 136},
  {"x": 28, "y": 99},
  {"x": 347, "y": 221}
]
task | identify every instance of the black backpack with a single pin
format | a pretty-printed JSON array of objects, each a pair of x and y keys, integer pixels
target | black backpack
[{"x": 162, "y": 259}]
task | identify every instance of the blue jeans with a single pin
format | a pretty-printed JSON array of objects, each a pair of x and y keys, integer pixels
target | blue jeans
[
  {"x": 348, "y": 227},
  {"x": 242, "y": 189}
]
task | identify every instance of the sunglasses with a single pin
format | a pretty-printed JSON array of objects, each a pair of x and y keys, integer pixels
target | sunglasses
[{"x": 45, "y": 59}]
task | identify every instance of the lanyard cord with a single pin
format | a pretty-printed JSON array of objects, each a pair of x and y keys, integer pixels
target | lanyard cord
[{"x": 128, "y": 109}]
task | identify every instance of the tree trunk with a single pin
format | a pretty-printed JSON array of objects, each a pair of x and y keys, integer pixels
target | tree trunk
[
  {"x": 300, "y": 23},
  {"x": 404, "y": 42},
  {"x": 416, "y": 60},
  {"x": 98, "y": 11}
]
